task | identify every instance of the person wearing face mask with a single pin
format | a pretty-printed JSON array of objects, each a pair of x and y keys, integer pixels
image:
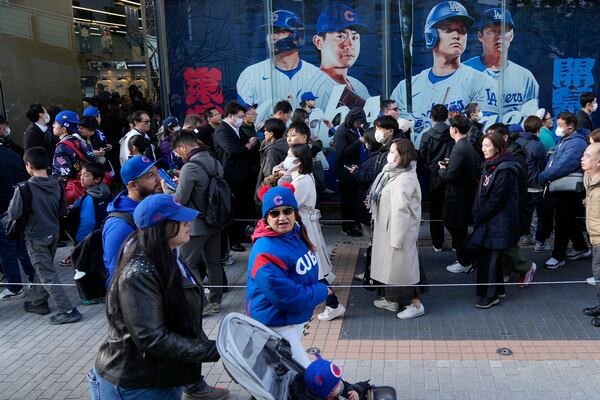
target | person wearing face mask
[
  {"x": 589, "y": 104},
  {"x": 568, "y": 206},
  {"x": 273, "y": 150},
  {"x": 474, "y": 115},
  {"x": 5, "y": 138},
  {"x": 236, "y": 157},
  {"x": 37, "y": 134},
  {"x": 395, "y": 202},
  {"x": 386, "y": 131}
]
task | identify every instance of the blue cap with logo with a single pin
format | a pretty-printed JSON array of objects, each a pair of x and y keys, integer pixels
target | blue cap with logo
[
  {"x": 495, "y": 16},
  {"x": 340, "y": 17},
  {"x": 276, "y": 197},
  {"x": 306, "y": 96},
  {"x": 157, "y": 208},
  {"x": 515, "y": 128},
  {"x": 170, "y": 122},
  {"x": 135, "y": 167},
  {"x": 91, "y": 112},
  {"x": 67, "y": 119},
  {"x": 321, "y": 377}
]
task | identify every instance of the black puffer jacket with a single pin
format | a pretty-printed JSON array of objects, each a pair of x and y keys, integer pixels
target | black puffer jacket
[
  {"x": 140, "y": 350},
  {"x": 436, "y": 144},
  {"x": 347, "y": 144},
  {"x": 520, "y": 155}
]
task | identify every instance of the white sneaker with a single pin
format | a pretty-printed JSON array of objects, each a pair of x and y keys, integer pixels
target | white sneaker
[
  {"x": 553, "y": 263},
  {"x": 591, "y": 281},
  {"x": 575, "y": 255},
  {"x": 7, "y": 293},
  {"x": 542, "y": 247},
  {"x": 457, "y": 268},
  {"x": 437, "y": 249},
  {"x": 388, "y": 305},
  {"x": 331, "y": 313},
  {"x": 410, "y": 311}
]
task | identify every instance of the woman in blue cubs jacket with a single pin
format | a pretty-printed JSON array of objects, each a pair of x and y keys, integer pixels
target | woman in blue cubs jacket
[{"x": 283, "y": 272}]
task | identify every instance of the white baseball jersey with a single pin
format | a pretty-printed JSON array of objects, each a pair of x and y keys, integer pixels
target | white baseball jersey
[
  {"x": 520, "y": 85},
  {"x": 261, "y": 82},
  {"x": 464, "y": 86},
  {"x": 322, "y": 84}
]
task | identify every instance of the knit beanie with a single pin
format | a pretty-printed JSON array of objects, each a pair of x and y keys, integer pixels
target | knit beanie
[
  {"x": 321, "y": 377},
  {"x": 276, "y": 197}
]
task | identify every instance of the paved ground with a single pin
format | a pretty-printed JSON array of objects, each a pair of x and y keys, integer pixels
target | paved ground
[{"x": 38, "y": 360}]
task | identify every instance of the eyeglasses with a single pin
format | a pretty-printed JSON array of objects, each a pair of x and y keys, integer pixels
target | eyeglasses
[
  {"x": 144, "y": 121},
  {"x": 285, "y": 211}
]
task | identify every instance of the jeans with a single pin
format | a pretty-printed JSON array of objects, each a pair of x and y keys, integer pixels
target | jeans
[
  {"x": 104, "y": 390},
  {"x": 206, "y": 248},
  {"x": 11, "y": 253}
]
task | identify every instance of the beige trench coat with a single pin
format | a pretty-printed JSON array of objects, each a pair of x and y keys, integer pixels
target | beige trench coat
[{"x": 396, "y": 224}]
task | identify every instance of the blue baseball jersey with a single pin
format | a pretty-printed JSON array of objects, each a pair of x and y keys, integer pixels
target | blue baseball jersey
[
  {"x": 261, "y": 82},
  {"x": 464, "y": 86},
  {"x": 520, "y": 85},
  {"x": 322, "y": 84}
]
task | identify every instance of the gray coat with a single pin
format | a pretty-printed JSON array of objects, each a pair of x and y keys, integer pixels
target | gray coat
[
  {"x": 192, "y": 189},
  {"x": 271, "y": 155}
]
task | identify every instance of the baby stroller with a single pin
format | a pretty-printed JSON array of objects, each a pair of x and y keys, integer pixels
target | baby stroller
[{"x": 260, "y": 360}]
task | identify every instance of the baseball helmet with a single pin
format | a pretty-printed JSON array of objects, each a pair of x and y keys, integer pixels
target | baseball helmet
[
  {"x": 441, "y": 12},
  {"x": 287, "y": 20}
]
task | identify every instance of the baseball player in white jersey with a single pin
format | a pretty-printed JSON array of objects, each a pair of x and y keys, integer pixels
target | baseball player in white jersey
[
  {"x": 287, "y": 78},
  {"x": 520, "y": 89},
  {"x": 448, "y": 81}
]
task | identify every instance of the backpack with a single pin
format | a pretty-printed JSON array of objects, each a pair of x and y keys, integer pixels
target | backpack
[
  {"x": 218, "y": 210},
  {"x": 88, "y": 258},
  {"x": 15, "y": 229}
]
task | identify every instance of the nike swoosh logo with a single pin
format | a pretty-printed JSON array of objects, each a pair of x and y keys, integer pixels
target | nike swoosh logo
[{"x": 264, "y": 78}]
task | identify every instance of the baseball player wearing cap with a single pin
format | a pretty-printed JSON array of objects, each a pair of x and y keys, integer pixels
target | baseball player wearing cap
[
  {"x": 338, "y": 41},
  {"x": 519, "y": 85},
  {"x": 448, "y": 82},
  {"x": 286, "y": 79}
]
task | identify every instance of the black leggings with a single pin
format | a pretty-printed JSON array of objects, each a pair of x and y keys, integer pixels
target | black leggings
[{"x": 332, "y": 300}]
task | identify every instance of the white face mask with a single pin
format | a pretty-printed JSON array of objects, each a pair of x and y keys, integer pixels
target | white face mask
[
  {"x": 7, "y": 131},
  {"x": 379, "y": 136},
  {"x": 391, "y": 159},
  {"x": 594, "y": 107},
  {"x": 289, "y": 163},
  {"x": 237, "y": 122},
  {"x": 46, "y": 118},
  {"x": 560, "y": 132},
  {"x": 479, "y": 115}
]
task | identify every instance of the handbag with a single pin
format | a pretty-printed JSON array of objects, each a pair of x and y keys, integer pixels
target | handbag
[
  {"x": 570, "y": 183},
  {"x": 14, "y": 229}
]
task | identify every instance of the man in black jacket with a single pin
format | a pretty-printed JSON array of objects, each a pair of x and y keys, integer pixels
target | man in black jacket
[
  {"x": 589, "y": 104},
  {"x": 236, "y": 159},
  {"x": 436, "y": 146},
  {"x": 348, "y": 153},
  {"x": 460, "y": 175},
  {"x": 36, "y": 134}
]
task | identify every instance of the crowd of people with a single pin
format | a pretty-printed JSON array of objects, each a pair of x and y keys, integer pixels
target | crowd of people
[{"x": 171, "y": 201}]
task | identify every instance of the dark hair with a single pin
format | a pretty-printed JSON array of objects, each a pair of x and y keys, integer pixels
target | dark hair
[
  {"x": 194, "y": 120},
  {"x": 470, "y": 109},
  {"x": 208, "y": 112},
  {"x": 387, "y": 122},
  {"x": 496, "y": 138},
  {"x": 136, "y": 116},
  {"x": 301, "y": 128},
  {"x": 587, "y": 97},
  {"x": 499, "y": 128},
  {"x": 300, "y": 115},
  {"x": 94, "y": 168},
  {"x": 284, "y": 106},
  {"x": 407, "y": 152},
  {"x": 153, "y": 243},
  {"x": 3, "y": 120},
  {"x": 34, "y": 111},
  {"x": 595, "y": 136},
  {"x": 532, "y": 124},
  {"x": 233, "y": 108},
  {"x": 139, "y": 142},
  {"x": 90, "y": 123},
  {"x": 384, "y": 105},
  {"x": 304, "y": 155},
  {"x": 461, "y": 123},
  {"x": 569, "y": 119},
  {"x": 37, "y": 157},
  {"x": 439, "y": 113},
  {"x": 369, "y": 138},
  {"x": 275, "y": 126},
  {"x": 185, "y": 136}
]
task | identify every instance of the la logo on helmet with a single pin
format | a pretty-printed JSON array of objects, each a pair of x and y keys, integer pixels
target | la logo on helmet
[
  {"x": 454, "y": 6},
  {"x": 278, "y": 200}
]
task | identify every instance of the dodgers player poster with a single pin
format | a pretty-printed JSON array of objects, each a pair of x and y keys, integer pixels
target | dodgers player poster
[
  {"x": 286, "y": 78},
  {"x": 448, "y": 81},
  {"x": 519, "y": 87}
]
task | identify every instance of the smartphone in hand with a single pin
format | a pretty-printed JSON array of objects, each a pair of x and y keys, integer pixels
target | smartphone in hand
[{"x": 163, "y": 174}]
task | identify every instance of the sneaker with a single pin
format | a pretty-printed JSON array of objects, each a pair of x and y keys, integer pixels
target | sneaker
[
  {"x": 66, "y": 262},
  {"x": 487, "y": 302},
  {"x": 591, "y": 281},
  {"x": 526, "y": 278},
  {"x": 592, "y": 311},
  {"x": 542, "y": 247},
  {"x": 553, "y": 263},
  {"x": 410, "y": 312},
  {"x": 227, "y": 261},
  {"x": 457, "y": 268},
  {"x": 238, "y": 248},
  {"x": 92, "y": 302},
  {"x": 437, "y": 249},
  {"x": 208, "y": 393},
  {"x": 211, "y": 308},
  {"x": 577, "y": 254},
  {"x": 41, "y": 309},
  {"x": 352, "y": 232},
  {"x": 331, "y": 313},
  {"x": 388, "y": 305},
  {"x": 359, "y": 277},
  {"x": 501, "y": 295},
  {"x": 7, "y": 293},
  {"x": 596, "y": 322},
  {"x": 66, "y": 317},
  {"x": 527, "y": 241}
]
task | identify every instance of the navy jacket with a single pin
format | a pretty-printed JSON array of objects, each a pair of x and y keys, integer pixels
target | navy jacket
[
  {"x": 536, "y": 157},
  {"x": 567, "y": 157}
]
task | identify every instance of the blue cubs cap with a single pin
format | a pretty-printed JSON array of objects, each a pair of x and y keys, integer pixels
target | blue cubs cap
[
  {"x": 339, "y": 17},
  {"x": 321, "y": 377},
  {"x": 170, "y": 122},
  {"x": 515, "y": 128},
  {"x": 276, "y": 197},
  {"x": 157, "y": 208},
  {"x": 495, "y": 16},
  {"x": 91, "y": 112},
  {"x": 308, "y": 96},
  {"x": 67, "y": 119},
  {"x": 135, "y": 167}
]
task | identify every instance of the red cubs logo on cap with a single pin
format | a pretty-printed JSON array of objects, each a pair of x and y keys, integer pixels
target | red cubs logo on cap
[
  {"x": 278, "y": 200},
  {"x": 335, "y": 371},
  {"x": 146, "y": 159},
  {"x": 157, "y": 217},
  {"x": 349, "y": 15},
  {"x": 176, "y": 201}
]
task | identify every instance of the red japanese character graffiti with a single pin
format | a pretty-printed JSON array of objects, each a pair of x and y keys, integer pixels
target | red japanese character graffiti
[{"x": 203, "y": 89}]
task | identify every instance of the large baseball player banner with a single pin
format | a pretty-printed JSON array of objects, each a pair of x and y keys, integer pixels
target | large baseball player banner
[{"x": 511, "y": 61}]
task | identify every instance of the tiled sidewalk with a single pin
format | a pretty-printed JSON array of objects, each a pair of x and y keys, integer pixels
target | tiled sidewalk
[{"x": 38, "y": 360}]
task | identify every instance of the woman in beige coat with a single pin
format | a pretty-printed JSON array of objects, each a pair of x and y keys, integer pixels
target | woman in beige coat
[{"x": 395, "y": 203}]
